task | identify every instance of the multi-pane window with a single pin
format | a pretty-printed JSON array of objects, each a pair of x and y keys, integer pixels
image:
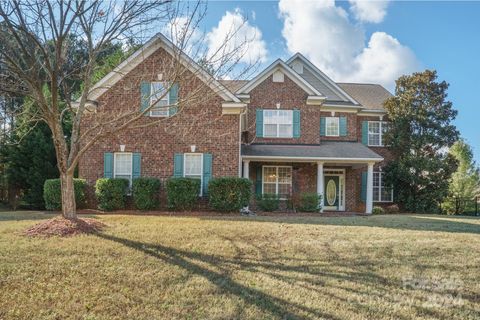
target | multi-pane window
[
  {"x": 376, "y": 130},
  {"x": 381, "y": 192},
  {"x": 277, "y": 180},
  {"x": 159, "y": 100},
  {"x": 193, "y": 166},
  {"x": 332, "y": 127},
  {"x": 123, "y": 166},
  {"x": 278, "y": 123}
]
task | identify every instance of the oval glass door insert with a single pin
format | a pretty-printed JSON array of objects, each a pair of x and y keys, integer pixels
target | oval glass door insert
[{"x": 331, "y": 192}]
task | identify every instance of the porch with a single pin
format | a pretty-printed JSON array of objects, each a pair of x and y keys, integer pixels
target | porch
[{"x": 341, "y": 172}]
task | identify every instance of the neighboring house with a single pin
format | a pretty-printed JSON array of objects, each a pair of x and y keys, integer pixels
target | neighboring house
[{"x": 291, "y": 129}]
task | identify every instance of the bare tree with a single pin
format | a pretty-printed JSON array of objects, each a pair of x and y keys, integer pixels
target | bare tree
[{"x": 35, "y": 47}]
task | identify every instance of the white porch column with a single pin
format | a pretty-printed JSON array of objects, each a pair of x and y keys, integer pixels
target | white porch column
[
  {"x": 369, "y": 203},
  {"x": 320, "y": 181},
  {"x": 246, "y": 167}
]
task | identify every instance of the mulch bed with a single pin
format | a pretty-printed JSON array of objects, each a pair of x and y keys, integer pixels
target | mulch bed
[{"x": 62, "y": 227}]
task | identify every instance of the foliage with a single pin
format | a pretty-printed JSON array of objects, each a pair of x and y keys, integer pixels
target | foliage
[
  {"x": 465, "y": 182},
  {"x": 28, "y": 156},
  {"x": 111, "y": 193},
  {"x": 420, "y": 130},
  {"x": 378, "y": 210},
  {"x": 229, "y": 193},
  {"x": 146, "y": 193},
  {"x": 268, "y": 202},
  {"x": 310, "y": 202},
  {"x": 182, "y": 193},
  {"x": 52, "y": 193}
]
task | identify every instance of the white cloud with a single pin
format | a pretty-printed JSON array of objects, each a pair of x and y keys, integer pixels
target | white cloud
[
  {"x": 369, "y": 10},
  {"x": 325, "y": 34},
  {"x": 232, "y": 32},
  {"x": 384, "y": 60}
]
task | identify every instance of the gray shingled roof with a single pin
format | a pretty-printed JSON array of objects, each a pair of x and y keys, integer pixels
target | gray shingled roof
[
  {"x": 233, "y": 85},
  {"x": 327, "y": 149},
  {"x": 370, "y": 96}
]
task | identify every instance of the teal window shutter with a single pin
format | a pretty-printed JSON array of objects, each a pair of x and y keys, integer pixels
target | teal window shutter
[
  {"x": 296, "y": 123},
  {"x": 136, "y": 165},
  {"x": 207, "y": 171},
  {"x": 363, "y": 192},
  {"x": 259, "y": 123},
  {"x": 108, "y": 165},
  {"x": 342, "y": 121},
  {"x": 178, "y": 165},
  {"x": 145, "y": 93},
  {"x": 322, "y": 126},
  {"x": 258, "y": 181},
  {"x": 365, "y": 132},
  {"x": 173, "y": 99}
]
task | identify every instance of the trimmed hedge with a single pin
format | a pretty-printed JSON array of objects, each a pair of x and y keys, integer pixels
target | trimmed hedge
[
  {"x": 229, "y": 193},
  {"x": 182, "y": 193},
  {"x": 146, "y": 193},
  {"x": 268, "y": 202},
  {"x": 52, "y": 193},
  {"x": 310, "y": 202},
  {"x": 111, "y": 193}
]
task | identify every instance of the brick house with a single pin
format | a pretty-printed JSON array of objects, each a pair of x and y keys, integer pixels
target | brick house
[{"x": 290, "y": 129}]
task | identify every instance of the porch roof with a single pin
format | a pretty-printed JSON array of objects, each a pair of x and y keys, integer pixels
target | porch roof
[{"x": 327, "y": 150}]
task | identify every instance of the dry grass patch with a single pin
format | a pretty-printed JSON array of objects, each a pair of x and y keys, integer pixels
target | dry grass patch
[{"x": 378, "y": 267}]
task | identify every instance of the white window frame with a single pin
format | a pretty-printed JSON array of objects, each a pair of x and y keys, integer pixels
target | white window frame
[
  {"x": 335, "y": 119},
  {"x": 277, "y": 124},
  {"x": 115, "y": 165},
  {"x": 381, "y": 187},
  {"x": 153, "y": 100},
  {"x": 276, "y": 181},
  {"x": 381, "y": 124},
  {"x": 201, "y": 167}
]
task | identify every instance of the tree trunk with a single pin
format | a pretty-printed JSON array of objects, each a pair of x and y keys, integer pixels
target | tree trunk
[{"x": 69, "y": 207}]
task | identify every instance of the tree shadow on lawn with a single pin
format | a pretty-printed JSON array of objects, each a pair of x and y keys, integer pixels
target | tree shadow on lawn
[
  {"x": 362, "y": 288},
  {"x": 400, "y": 222},
  {"x": 191, "y": 261}
]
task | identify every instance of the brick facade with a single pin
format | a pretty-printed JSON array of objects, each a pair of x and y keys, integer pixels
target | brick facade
[
  {"x": 201, "y": 124},
  {"x": 304, "y": 175}
]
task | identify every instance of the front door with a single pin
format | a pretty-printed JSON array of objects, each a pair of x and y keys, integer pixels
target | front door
[{"x": 331, "y": 193}]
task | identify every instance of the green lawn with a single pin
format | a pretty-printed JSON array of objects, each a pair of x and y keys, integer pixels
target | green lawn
[{"x": 145, "y": 267}]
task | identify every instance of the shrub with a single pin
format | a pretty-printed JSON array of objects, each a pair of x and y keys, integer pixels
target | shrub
[
  {"x": 378, "y": 210},
  {"x": 52, "y": 193},
  {"x": 393, "y": 208},
  {"x": 229, "y": 193},
  {"x": 146, "y": 193},
  {"x": 310, "y": 202},
  {"x": 268, "y": 202},
  {"x": 182, "y": 193},
  {"x": 111, "y": 193}
]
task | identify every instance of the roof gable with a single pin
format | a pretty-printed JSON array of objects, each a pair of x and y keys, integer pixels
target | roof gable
[
  {"x": 320, "y": 80},
  {"x": 156, "y": 42},
  {"x": 279, "y": 65}
]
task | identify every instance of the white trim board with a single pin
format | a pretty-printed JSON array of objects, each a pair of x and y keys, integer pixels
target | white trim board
[
  {"x": 322, "y": 77},
  {"x": 282, "y": 66},
  {"x": 156, "y": 42}
]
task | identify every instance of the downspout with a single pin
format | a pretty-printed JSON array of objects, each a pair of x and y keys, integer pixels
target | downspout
[{"x": 240, "y": 142}]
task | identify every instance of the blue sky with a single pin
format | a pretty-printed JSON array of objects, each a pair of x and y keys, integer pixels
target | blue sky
[{"x": 373, "y": 42}]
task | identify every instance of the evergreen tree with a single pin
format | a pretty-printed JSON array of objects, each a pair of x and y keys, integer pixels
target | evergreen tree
[{"x": 420, "y": 133}]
